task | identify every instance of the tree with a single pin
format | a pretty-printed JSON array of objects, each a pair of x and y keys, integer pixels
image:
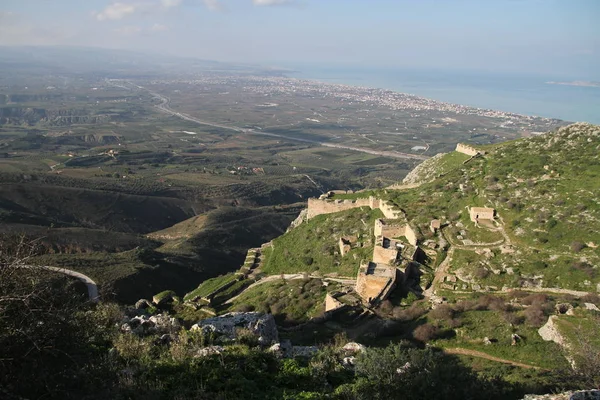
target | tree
[
  {"x": 49, "y": 335},
  {"x": 402, "y": 372}
]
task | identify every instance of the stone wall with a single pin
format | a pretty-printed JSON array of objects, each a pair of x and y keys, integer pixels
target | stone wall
[
  {"x": 389, "y": 209},
  {"x": 331, "y": 303},
  {"x": 383, "y": 255},
  {"x": 466, "y": 149},
  {"x": 326, "y": 206},
  {"x": 481, "y": 213},
  {"x": 387, "y": 228},
  {"x": 410, "y": 234},
  {"x": 392, "y": 229}
]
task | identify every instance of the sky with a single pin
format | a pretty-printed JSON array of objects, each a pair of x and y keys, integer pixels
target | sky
[{"x": 539, "y": 37}]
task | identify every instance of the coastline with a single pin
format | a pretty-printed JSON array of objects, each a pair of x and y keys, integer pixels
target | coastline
[{"x": 523, "y": 96}]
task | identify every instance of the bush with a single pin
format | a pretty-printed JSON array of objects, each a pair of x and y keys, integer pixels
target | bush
[
  {"x": 591, "y": 298},
  {"x": 398, "y": 371},
  {"x": 536, "y": 298},
  {"x": 408, "y": 314},
  {"x": 577, "y": 246},
  {"x": 535, "y": 315},
  {"x": 426, "y": 332},
  {"x": 482, "y": 273},
  {"x": 442, "y": 312},
  {"x": 492, "y": 303}
]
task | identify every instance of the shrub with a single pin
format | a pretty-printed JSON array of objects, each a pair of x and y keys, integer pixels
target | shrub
[
  {"x": 465, "y": 305},
  {"x": 442, "y": 312},
  {"x": 536, "y": 298},
  {"x": 490, "y": 302},
  {"x": 586, "y": 268},
  {"x": 513, "y": 318},
  {"x": 408, "y": 314},
  {"x": 247, "y": 337},
  {"x": 386, "y": 307},
  {"x": 481, "y": 273},
  {"x": 535, "y": 315},
  {"x": 426, "y": 332},
  {"x": 577, "y": 246},
  {"x": 591, "y": 298}
]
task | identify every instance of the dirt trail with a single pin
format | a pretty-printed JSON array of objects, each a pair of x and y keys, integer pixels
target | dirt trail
[{"x": 479, "y": 354}]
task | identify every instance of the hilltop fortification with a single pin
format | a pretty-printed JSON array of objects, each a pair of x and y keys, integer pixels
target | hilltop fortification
[
  {"x": 328, "y": 206},
  {"x": 468, "y": 150}
]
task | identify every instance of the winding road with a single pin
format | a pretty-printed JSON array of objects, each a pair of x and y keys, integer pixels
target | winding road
[{"x": 92, "y": 287}]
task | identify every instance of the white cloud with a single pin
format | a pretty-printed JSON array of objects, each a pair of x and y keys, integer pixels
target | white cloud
[
  {"x": 116, "y": 11},
  {"x": 128, "y": 30},
  {"x": 17, "y": 30},
  {"x": 170, "y": 3},
  {"x": 270, "y": 2},
  {"x": 159, "y": 28},
  {"x": 213, "y": 5}
]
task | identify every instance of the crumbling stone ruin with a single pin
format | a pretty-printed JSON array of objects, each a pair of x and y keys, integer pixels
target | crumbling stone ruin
[
  {"x": 331, "y": 303},
  {"x": 346, "y": 244},
  {"x": 395, "y": 228},
  {"x": 435, "y": 225},
  {"x": 377, "y": 278},
  {"x": 468, "y": 150},
  {"x": 481, "y": 213},
  {"x": 326, "y": 205},
  {"x": 375, "y": 281}
]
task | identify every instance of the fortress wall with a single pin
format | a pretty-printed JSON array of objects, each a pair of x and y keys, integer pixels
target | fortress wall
[
  {"x": 466, "y": 149},
  {"x": 389, "y": 210},
  {"x": 410, "y": 234},
  {"x": 389, "y": 229},
  {"x": 318, "y": 207},
  {"x": 331, "y": 303},
  {"x": 384, "y": 256}
]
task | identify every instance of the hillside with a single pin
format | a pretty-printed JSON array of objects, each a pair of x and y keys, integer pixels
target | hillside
[{"x": 546, "y": 192}]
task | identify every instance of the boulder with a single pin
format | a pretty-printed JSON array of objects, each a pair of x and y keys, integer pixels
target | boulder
[
  {"x": 142, "y": 304},
  {"x": 586, "y": 395},
  {"x": 591, "y": 307},
  {"x": 208, "y": 351},
  {"x": 353, "y": 347},
  {"x": 514, "y": 339},
  {"x": 348, "y": 362},
  {"x": 282, "y": 349}
]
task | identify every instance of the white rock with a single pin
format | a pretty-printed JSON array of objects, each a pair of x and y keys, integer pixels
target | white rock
[{"x": 354, "y": 347}]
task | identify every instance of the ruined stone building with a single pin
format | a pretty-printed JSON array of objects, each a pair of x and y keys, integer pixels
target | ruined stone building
[
  {"x": 346, "y": 244},
  {"x": 374, "y": 282},
  {"x": 481, "y": 213}
]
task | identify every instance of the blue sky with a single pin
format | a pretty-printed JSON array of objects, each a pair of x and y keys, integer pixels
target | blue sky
[{"x": 544, "y": 37}]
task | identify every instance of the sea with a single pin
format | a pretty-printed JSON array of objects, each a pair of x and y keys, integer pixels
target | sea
[{"x": 522, "y": 94}]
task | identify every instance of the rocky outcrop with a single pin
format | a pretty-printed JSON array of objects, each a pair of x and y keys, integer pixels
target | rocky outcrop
[
  {"x": 143, "y": 325},
  {"x": 550, "y": 333},
  {"x": 578, "y": 395},
  {"x": 262, "y": 325}
]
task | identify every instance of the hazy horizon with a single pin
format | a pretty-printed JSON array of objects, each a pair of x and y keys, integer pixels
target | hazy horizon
[{"x": 550, "y": 38}]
